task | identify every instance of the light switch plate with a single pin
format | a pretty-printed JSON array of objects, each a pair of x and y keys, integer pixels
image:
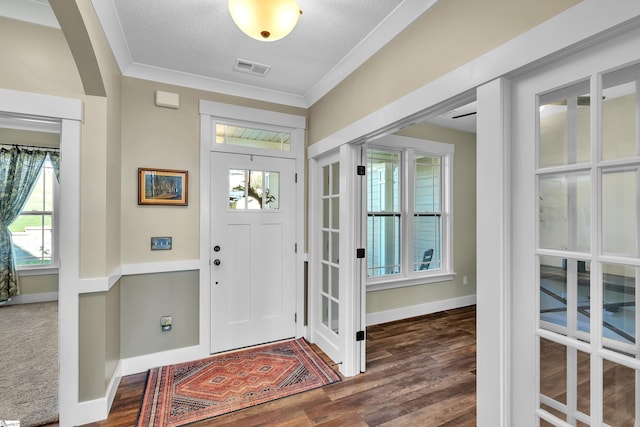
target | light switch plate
[{"x": 161, "y": 243}]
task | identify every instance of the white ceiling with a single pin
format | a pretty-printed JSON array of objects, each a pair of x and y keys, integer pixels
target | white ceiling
[{"x": 194, "y": 43}]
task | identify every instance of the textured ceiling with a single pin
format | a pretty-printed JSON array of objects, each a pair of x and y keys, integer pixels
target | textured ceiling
[{"x": 194, "y": 43}]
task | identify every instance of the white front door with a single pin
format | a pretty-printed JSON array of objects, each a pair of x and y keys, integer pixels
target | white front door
[
  {"x": 576, "y": 240},
  {"x": 253, "y": 293}
]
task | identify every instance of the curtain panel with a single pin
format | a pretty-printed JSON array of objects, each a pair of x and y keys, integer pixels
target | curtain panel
[{"x": 19, "y": 170}]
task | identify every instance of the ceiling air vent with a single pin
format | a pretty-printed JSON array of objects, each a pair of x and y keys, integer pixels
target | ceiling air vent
[{"x": 251, "y": 67}]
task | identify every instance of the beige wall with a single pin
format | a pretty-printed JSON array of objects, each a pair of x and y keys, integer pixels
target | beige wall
[
  {"x": 165, "y": 138},
  {"x": 450, "y": 34},
  {"x": 464, "y": 227},
  {"x": 147, "y": 297},
  {"x": 37, "y": 60},
  {"x": 92, "y": 345},
  {"x": 38, "y": 284}
]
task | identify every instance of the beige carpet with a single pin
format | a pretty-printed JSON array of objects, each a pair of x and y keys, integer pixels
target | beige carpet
[{"x": 29, "y": 363}]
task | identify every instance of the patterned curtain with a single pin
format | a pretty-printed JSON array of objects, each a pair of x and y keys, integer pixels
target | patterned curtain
[
  {"x": 54, "y": 156},
  {"x": 19, "y": 169}
]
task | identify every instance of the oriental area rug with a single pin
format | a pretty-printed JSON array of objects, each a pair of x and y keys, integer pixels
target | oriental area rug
[{"x": 185, "y": 393}]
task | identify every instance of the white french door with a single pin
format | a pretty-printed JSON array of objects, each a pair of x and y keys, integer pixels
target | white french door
[
  {"x": 326, "y": 257},
  {"x": 575, "y": 165},
  {"x": 253, "y": 244},
  {"x": 336, "y": 275}
]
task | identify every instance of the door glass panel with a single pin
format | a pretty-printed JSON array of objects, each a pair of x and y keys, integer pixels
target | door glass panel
[
  {"x": 553, "y": 291},
  {"x": 325, "y": 213},
  {"x": 325, "y": 246},
  {"x": 335, "y": 213},
  {"x": 619, "y": 394},
  {"x": 335, "y": 282},
  {"x": 620, "y": 213},
  {"x": 249, "y": 189},
  {"x": 335, "y": 248},
  {"x": 584, "y": 382},
  {"x": 325, "y": 310},
  {"x": 583, "y": 311},
  {"x": 565, "y": 291},
  {"x": 237, "y": 187},
  {"x": 619, "y": 307},
  {"x": 325, "y": 278},
  {"x": 553, "y": 370},
  {"x": 334, "y": 317},
  {"x": 618, "y": 119},
  {"x": 565, "y": 212},
  {"x": 271, "y": 190},
  {"x": 564, "y": 127},
  {"x": 325, "y": 180},
  {"x": 335, "y": 178},
  {"x": 251, "y": 137}
]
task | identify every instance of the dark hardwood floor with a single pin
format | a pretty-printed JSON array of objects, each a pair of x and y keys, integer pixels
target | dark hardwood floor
[{"x": 420, "y": 372}]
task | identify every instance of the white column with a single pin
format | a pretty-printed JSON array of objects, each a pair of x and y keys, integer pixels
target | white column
[{"x": 493, "y": 260}]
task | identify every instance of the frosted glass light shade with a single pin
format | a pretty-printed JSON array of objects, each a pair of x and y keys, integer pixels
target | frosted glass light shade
[{"x": 265, "y": 20}]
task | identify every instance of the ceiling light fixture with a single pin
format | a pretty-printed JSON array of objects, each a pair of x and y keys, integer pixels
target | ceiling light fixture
[{"x": 265, "y": 20}]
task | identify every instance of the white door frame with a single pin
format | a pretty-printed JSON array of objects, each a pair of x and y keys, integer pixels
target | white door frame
[
  {"x": 587, "y": 20},
  {"x": 210, "y": 112},
  {"x": 70, "y": 113}
]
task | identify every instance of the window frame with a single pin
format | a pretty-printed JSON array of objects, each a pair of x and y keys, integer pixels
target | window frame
[
  {"x": 408, "y": 149},
  {"x": 45, "y": 269}
]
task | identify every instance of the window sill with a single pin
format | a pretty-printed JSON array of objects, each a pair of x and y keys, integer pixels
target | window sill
[
  {"x": 409, "y": 281},
  {"x": 37, "y": 271}
]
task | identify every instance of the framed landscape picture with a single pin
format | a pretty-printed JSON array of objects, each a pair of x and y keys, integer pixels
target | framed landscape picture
[{"x": 162, "y": 187}]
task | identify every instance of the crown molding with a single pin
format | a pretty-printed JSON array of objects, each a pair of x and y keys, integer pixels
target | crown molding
[
  {"x": 407, "y": 12},
  {"x": 391, "y": 26}
]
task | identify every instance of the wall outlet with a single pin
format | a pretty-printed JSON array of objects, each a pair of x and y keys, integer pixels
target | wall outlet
[
  {"x": 165, "y": 323},
  {"x": 465, "y": 280}
]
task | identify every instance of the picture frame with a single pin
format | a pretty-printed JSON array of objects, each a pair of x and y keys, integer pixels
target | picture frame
[{"x": 163, "y": 187}]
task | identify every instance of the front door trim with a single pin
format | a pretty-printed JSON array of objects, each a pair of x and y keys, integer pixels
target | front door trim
[{"x": 209, "y": 113}]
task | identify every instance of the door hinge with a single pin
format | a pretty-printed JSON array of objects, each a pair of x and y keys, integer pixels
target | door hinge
[
  {"x": 360, "y": 253},
  {"x": 295, "y": 178},
  {"x": 295, "y": 247},
  {"x": 361, "y": 170},
  {"x": 360, "y": 336}
]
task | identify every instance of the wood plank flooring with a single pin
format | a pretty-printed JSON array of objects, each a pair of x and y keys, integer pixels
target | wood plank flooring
[{"x": 420, "y": 372}]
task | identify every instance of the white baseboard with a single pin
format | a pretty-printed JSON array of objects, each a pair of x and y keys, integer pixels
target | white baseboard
[
  {"x": 419, "y": 310},
  {"x": 137, "y": 364},
  {"x": 32, "y": 298},
  {"x": 91, "y": 411}
]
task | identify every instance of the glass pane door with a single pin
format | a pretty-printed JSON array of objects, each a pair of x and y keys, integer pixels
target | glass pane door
[
  {"x": 330, "y": 260},
  {"x": 588, "y": 189}
]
